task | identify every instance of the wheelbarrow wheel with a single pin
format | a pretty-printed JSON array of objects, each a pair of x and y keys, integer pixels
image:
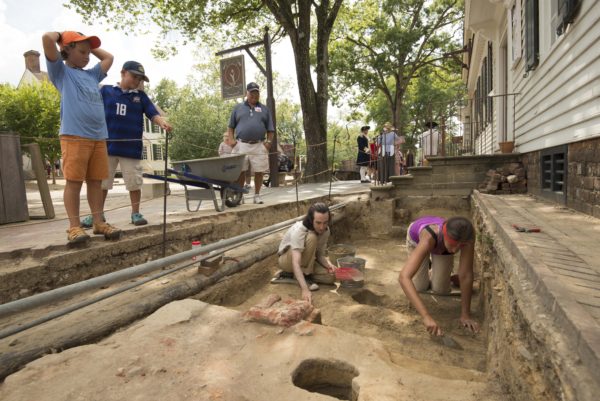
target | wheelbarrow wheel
[{"x": 232, "y": 198}]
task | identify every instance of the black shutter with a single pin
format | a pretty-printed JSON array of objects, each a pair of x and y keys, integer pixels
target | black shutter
[
  {"x": 566, "y": 14},
  {"x": 490, "y": 100},
  {"x": 532, "y": 35}
]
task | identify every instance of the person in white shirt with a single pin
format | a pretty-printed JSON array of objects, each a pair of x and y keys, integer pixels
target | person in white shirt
[
  {"x": 302, "y": 251},
  {"x": 429, "y": 139}
]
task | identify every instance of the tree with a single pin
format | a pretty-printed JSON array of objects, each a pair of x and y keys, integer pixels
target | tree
[
  {"x": 433, "y": 96},
  {"x": 165, "y": 94},
  {"x": 198, "y": 125},
  {"x": 246, "y": 17},
  {"x": 33, "y": 111},
  {"x": 385, "y": 44}
]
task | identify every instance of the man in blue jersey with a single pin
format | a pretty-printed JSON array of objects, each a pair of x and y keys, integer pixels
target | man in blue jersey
[{"x": 124, "y": 108}]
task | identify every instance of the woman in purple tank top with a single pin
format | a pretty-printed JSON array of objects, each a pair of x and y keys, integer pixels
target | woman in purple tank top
[{"x": 440, "y": 239}]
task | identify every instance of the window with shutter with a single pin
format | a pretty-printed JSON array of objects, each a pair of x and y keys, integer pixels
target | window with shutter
[
  {"x": 157, "y": 152},
  {"x": 516, "y": 31},
  {"x": 563, "y": 13},
  {"x": 490, "y": 84},
  {"x": 532, "y": 35}
]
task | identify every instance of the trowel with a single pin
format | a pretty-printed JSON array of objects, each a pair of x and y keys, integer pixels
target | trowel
[{"x": 448, "y": 341}]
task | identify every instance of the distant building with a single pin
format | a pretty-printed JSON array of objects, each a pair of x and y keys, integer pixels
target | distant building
[
  {"x": 153, "y": 151},
  {"x": 32, "y": 74}
]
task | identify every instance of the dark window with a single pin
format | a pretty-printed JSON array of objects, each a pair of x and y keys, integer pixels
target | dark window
[
  {"x": 490, "y": 84},
  {"x": 532, "y": 34},
  {"x": 144, "y": 153},
  {"x": 554, "y": 173},
  {"x": 483, "y": 104},
  {"x": 563, "y": 14},
  {"x": 157, "y": 152}
]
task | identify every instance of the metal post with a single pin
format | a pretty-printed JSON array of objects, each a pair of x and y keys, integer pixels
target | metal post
[
  {"x": 332, "y": 164},
  {"x": 443, "y": 133},
  {"x": 273, "y": 153},
  {"x": 165, "y": 190}
]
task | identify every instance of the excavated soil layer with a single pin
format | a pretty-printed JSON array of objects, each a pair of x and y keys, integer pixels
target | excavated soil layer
[{"x": 378, "y": 310}]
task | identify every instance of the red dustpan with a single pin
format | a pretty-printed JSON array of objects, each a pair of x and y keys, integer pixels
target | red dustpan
[{"x": 348, "y": 274}]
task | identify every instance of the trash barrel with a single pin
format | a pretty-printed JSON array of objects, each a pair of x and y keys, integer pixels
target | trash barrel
[{"x": 339, "y": 251}]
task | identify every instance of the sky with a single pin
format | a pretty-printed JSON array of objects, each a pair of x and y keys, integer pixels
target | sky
[{"x": 23, "y": 22}]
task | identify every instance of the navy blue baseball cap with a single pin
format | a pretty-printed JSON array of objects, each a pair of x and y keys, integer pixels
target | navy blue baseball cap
[
  {"x": 136, "y": 68},
  {"x": 252, "y": 86}
]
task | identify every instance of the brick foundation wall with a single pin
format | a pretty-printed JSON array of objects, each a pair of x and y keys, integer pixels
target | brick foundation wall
[
  {"x": 583, "y": 184},
  {"x": 583, "y": 176},
  {"x": 531, "y": 162}
]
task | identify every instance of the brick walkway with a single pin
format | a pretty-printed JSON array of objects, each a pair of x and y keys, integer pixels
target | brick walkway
[{"x": 562, "y": 262}]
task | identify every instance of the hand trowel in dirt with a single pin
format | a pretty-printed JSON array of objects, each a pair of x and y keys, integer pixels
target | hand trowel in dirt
[{"x": 447, "y": 341}]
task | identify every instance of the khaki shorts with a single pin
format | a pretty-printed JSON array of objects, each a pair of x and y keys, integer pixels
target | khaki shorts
[
  {"x": 441, "y": 270},
  {"x": 257, "y": 156},
  {"x": 131, "y": 170},
  {"x": 83, "y": 159},
  {"x": 308, "y": 262}
]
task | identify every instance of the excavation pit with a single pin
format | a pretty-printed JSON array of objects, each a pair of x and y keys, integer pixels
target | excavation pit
[
  {"x": 332, "y": 378},
  {"x": 373, "y": 329}
]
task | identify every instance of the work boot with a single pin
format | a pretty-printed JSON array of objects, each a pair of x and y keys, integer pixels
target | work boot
[
  {"x": 88, "y": 221},
  {"x": 109, "y": 232},
  {"x": 76, "y": 235},
  {"x": 138, "y": 220}
]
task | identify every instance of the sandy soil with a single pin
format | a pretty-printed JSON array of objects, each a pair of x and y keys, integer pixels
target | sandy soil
[
  {"x": 378, "y": 310},
  {"x": 371, "y": 346}
]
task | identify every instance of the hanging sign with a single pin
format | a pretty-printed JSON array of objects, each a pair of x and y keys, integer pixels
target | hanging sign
[{"x": 233, "y": 77}]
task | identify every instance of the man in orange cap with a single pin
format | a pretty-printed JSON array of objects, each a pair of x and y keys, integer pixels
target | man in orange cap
[{"x": 83, "y": 130}]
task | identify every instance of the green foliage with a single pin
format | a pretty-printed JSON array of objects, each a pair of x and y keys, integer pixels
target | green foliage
[
  {"x": 165, "y": 94},
  {"x": 384, "y": 45},
  {"x": 235, "y": 22},
  {"x": 200, "y": 119},
  {"x": 32, "y": 111},
  {"x": 289, "y": 123},
  {"x": 198, "y": 125},
  {"x": 344, "y": 138},
  {"x": 181, "y": 21}
]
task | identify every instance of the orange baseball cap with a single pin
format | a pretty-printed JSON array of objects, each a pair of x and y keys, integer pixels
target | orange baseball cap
[{"x": 72, "y": 36}]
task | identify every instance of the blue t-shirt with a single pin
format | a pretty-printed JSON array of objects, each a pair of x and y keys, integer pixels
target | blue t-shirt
[
  {"x": 124, "y": 112},
  {"x": 251, "y": 123},
  {"x": 81, "y": 108}
]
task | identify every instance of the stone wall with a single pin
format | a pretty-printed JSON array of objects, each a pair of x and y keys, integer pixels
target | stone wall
[
  {"x": 583, "y": 183},
  {"x": 583, "y": 176}
]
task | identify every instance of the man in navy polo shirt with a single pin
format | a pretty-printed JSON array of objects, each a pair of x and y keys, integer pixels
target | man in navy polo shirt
[
  {"x": 124, "y": 108},
  {"x": 251, "y": 120}
]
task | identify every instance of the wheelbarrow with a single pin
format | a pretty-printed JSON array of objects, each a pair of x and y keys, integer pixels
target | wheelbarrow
[{"x": 203, "y": 178}]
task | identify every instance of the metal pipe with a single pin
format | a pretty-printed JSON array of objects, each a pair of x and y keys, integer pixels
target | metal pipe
[
  {"x": 56, "y": 314},
  {"x": 68, "y": 291}
]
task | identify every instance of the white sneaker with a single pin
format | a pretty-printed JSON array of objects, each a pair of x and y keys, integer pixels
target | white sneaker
[{"x": 257, "y": 199}]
